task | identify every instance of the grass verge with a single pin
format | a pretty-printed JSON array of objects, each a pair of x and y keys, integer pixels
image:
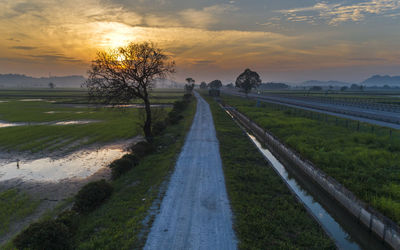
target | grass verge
[{"x": 267, "y": 215}]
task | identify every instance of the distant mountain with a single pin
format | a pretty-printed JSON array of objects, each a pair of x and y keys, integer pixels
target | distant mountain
[
  {"x": 324, "y": 83},
  {"x": 274, "y": 85},
  {"x": 23, "y": 81},
  {"x": 378, "y": 80}
]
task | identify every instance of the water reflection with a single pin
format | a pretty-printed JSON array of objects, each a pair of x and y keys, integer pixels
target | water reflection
[
  {"x": 341, "y": 237},
  {"x": 81, "y": 164}
]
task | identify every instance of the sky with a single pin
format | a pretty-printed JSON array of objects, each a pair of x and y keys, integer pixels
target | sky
[{"x": 283, "y": 40}]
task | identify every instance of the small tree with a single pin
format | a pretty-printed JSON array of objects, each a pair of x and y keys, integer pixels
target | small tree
[
  {"x": 190, "y": 81},
  {"x": 248, "y": 80},
  {"x": 216, "y": 84},
  {"x": 203, "y": 85},
  {"x": 190, "y": 85},
  {"x": 189, "y": 88},
  {"x": 51, "y": 85},
  {"x": 126, "y": 73}
]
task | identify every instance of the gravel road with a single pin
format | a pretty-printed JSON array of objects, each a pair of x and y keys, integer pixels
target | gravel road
[{"x": 195, "y": 212}]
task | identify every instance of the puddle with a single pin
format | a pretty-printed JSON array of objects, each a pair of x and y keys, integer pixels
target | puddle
[
  {"x": 73, "y": 122},
  {"x": 36, "y": 100},
  {"x": 59, "y": 112},
  {"x": 136, "y": 106},
  {"x": 10, "y": 124},
  {"x": 3, "y": 101},
  {"x": 4, "y": 124},
  {"x": 81, "y": 164},
  {"x": 31, "y": 100}
]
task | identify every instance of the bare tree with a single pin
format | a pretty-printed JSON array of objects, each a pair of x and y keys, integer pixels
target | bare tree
[
  {"x": 127, "y": 73},
  {"x": 248, "y": 80}
]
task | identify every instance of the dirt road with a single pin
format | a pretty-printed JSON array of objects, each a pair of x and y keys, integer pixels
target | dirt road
[{"x": 195, "y": 212}]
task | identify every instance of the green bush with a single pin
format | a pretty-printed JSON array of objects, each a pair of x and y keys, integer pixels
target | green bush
[
  {"x": 91, "y": 196},
  {"x": 70, "y": 219},
  {"x": 187, "y": 97},
  {"x": 142, "y": 149},
  {"x": 123, "y": 165},
  {"x": 159, "y": 127},
  {"x": 179, "y": 106},
  {"x": 49, "y": 234},
  {"x": 174, "y": 117}
]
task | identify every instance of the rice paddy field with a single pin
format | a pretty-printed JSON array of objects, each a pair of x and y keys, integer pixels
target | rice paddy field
[
  {"x": 48, "y": 133},
  {"x": 367, "y": 97},
  {"x": 65, "y": 119}
]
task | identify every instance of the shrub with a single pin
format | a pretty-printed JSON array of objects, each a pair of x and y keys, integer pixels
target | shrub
[
  {"x": 123, "y": 165},
  {"x": 142, "y": 149},
  {"x": 187, "y": 97},
  {"x": 91, "y": 196},
  {"x": 179, "y": 106},
  {"x": 159, "y": 127},
  {"x": 70, "y": 219},
  {"x": 174, "y": 117},
  {"x": 49, "y": 234}
]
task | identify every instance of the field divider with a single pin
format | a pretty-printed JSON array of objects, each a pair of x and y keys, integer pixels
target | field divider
[{"x": 384, "y": 228}]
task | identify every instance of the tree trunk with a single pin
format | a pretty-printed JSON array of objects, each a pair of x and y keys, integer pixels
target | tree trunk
[{"x": 147, "y": 123}]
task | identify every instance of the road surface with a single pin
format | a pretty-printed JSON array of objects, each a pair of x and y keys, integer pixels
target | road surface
[
  {"x": 376, "y": 117},
  {"x": 195, "y": 212}
]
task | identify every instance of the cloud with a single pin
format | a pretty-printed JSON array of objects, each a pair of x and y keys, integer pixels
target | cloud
[
  {"x": 335, "y": 14},
  {"x": 195, "y": 18},
  {"x": 55, "y": 58},
  {"x": 23, "y": 47}
]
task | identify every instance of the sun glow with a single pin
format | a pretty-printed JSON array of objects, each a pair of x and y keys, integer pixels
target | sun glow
[{"x": 114, "y": 35}]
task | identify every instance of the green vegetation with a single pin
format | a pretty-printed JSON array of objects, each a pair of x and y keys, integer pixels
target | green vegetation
[
  {"x": 61, "y": 105},
  {"x": 118, "y": 223},
  {"x": 47, "y": 234},
  {"x": 365, "y": 162},
  {"x": 91, "y": 196},
  {"x": 267, "y": 215},
  {"x": 14, "y": 205},
  {"x": 123, "y": 165}
]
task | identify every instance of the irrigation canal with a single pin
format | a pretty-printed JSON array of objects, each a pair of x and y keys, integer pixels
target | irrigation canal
[{"x": 343, "y": 228}]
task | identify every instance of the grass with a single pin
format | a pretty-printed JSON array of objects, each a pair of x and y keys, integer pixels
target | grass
[
  {"x": 368, "y": 164},
  {"x": 118, "y": 224},
  {"x": 14, "y": 205},
  {"x": 267, "y": 215},
  {"x": 111, "y": 124}
]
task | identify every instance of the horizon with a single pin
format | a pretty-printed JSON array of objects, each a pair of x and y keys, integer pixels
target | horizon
[{"x": 283, "y": 41}]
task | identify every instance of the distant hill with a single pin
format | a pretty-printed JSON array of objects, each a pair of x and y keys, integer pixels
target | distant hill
[
  {"x": 23, "y": 81},
  {"x": 274, "y": 85},
  {"x": 324, "y": 83},
  {"x": 378, "y": 80}
]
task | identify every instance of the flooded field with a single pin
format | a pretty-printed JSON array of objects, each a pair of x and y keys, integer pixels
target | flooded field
[
  {"x": 80, "y": 164},
  {"x": 53, "y": 143},
  {"x": 4, "y": 124}
]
